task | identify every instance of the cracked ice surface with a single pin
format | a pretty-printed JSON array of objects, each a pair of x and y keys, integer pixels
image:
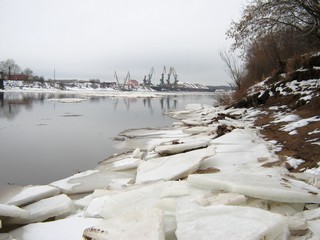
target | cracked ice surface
[
  {"x": 69, "y": 228},
  {"x": 44, "y": 209},
  {"x": 239, "y": 222},
  {"x": 172, "y": 167},
  {"x": 89, "y": 180},
  {"x": 134, "y": 224},
  {"x": 16, "y": 195},
  {"x": 258, "y": 186}
]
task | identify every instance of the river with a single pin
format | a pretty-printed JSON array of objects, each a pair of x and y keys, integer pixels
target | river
[{"x": 48, "y": 136}]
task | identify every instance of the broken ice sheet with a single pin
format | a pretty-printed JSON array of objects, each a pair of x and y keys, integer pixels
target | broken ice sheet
[
  {"x": 142, "y": 224},
  {"x": 150, "y": 133},
  {"x": 314, "y": 226},
  {"x": 90, "y": 180},
  {"x": 64, "y": 229},
  {"x": 172, "y": 167},
  {"x": 44, "y": 209},
  {"x": 240, "y": 149},
  {"x": 18, "y": 195},
  {"x": 67, "y": 100},
  {"x": 12, "y": 211},
  {"x": 135, "y": 197},
  {"x": 268, "y": 187},
  {"x": 230, "y": 222},
  {"x": 182, "y": 145},
  {"x": 147, "y": 139}
]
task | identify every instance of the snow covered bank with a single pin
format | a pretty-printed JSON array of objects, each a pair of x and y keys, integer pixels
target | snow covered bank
[
  {"x": 88, "y": 89},
  {"x": 212, "y": 176}
]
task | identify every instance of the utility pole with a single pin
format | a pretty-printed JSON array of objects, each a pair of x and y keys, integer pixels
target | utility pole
[
  {"x": 1, "y": 80},
  {"x": 54, "y": 74}
]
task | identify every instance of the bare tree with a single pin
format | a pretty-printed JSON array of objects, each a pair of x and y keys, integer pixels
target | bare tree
[
  {"x": 10, "y": 66},
  {"x": 233, "y": 67},
  {"x": 262, "y": 17},
  {"x": 28, "y": 72}
]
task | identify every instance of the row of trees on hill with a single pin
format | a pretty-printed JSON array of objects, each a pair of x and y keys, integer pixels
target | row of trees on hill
[
  {"x": 9, "y": 66},
  {"x": 270, "y": 35}
]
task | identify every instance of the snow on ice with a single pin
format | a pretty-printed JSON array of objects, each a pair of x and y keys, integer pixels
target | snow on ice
[
  {"x": 262, "y": 186},
  {"x": 17, "y": 195},
  {"x": 184, "y": 182},
  {"x": 238, "y": 222},
  {"x": 45, "y": 209}
]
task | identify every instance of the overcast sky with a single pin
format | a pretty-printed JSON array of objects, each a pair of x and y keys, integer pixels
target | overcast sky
[{"x": 90, "y": 39}]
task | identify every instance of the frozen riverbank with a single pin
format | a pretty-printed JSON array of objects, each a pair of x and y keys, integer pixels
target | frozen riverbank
[{"x": 207, "y": 178}]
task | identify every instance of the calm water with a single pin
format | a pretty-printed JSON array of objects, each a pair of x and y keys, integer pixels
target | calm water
[{"x": 42, "y": 141}]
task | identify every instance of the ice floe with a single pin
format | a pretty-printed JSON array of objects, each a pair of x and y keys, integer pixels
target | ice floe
[
  {"x": 12, "y": 211},
  {"x": 181, "y": 145},
  {"x": 172, "y": 167},
  {"x": 17, "y": 195},
  {"x": 230, "y": 222},
  {"x": 90, "y": 180},
  {"x": 140, "y": 197},
  {"x": 315, "y": 227},
  {"x": 67, "y": 100},
  {"x": 134, "y": 224},
  {"x": 68, "y": 228},
  {"x": 268, "y": 187},
  {"x": 45, "y": 209}
]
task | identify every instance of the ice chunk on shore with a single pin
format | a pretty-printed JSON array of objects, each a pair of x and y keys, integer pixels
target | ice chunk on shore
[
  {"x": 258, "y": 186},
  {"x": 227, "y": 199},
  {"x": 121, "y": 165},
  {"x": 17, "y": 195},
  {"x": 90, "y": 180},
  {"x": 12, "y": 211},
  {"x": 172, "y": 167},
  {"x": 311, "y": 214},
  {"x": 147, "y": 139},
  {"x": 136, "y": 197},
  {"x": 134, "y": 224},
  {"x": 240, "y": 149},
  {"x": 68, "y": 228},
  {"x": 314, "y": 226},
  {"x": 67, "y": 100},
  {"x": 44, "y": 209},
  {"x": 200, "y": 129},
  {"x": 153, "y": 133},
  {"x": 231, "y": 222},
  {"x": 182, "y": 145}
]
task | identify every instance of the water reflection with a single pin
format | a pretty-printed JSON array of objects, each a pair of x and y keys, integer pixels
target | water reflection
[{"x": 11, "y": 104}]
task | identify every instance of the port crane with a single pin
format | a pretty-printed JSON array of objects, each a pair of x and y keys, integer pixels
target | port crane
[
  {"x": 164, "y": 72},
  {"x": 123, "y": 86},
  {"x": 172, "y": 72},
  {"x": 147, "y": 81}
]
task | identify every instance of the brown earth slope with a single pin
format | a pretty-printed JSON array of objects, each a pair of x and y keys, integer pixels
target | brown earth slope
[{"x": 296, "y": 93}]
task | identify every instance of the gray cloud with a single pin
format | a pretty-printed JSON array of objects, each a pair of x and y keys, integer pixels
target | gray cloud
[{"x": 91, "y": 39}]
